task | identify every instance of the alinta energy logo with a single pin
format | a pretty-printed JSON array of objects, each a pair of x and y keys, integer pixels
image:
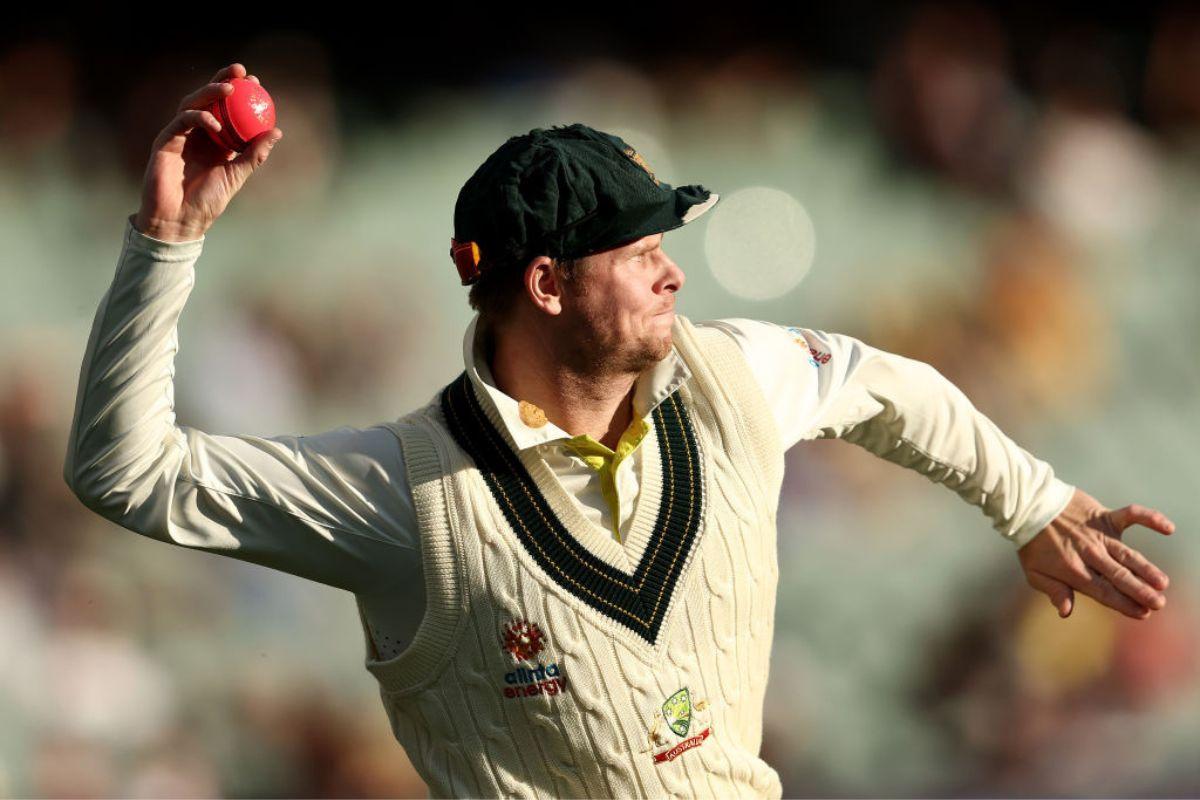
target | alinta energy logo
[
  {"x": 680, "y": 715},
  {"x": 524, "y": 641}
]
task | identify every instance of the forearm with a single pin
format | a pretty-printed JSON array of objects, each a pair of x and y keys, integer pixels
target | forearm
[
  {"x": 913, "y": 416},
  {"x": 124, "y": 413}
]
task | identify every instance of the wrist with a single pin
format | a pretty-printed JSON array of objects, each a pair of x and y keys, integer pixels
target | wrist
[{"x": 168, "y": 230}]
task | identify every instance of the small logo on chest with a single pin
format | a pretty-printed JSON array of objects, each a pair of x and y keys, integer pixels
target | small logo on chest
[
  {"x": 679, "y": 715},
  {"x": 524, "y": 641}
]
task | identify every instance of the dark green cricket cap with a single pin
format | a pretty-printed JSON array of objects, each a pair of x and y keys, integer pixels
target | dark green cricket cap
[{"x": 565, "y": 192}]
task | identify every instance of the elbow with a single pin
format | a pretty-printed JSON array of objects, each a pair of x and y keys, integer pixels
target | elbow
[
  {"x": 90, "y": 491},
  {"x": 79, "y": 471},
  {"x": 77, "y": 480},
  {"x": 86, "y": 484},
  {"x": 118, "y": 482},
  {"x": 119, "y": 498},
  {"x": 78, "y": 490},
  {"x": 128, "y": 503}
]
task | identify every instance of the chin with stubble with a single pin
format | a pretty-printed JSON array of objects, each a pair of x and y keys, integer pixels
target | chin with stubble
[
  {"x": 642, "y": 356},
  {"x": 599, "y": 357}
]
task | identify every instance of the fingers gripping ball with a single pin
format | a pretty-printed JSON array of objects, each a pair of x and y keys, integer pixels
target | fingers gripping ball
[{"x": 244, "y": 113}]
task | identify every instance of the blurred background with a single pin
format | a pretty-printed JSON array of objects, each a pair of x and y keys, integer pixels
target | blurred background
[{"x": 1011, "y": 194}]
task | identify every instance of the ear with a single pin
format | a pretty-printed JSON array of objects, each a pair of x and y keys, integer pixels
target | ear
[{"x": 544, "y": 285}]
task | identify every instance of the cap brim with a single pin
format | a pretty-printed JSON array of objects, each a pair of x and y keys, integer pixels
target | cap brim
[
  {"x": 680, "y": 207},
  {"x": 677, "y": 207},
  {"x": 700, "y": 208}
]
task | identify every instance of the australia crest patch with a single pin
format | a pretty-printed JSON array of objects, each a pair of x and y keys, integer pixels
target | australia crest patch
[{"x": 681, "y": 723}]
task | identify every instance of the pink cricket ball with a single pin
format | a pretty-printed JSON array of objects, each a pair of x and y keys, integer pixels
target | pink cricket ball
[{"x": 244, "y": 113}]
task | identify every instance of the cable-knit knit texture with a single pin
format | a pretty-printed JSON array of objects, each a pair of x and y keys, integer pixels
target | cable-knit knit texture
[{"x": 462, "y": 705}]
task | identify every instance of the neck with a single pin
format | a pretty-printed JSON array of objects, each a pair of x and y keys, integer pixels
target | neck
[{"x": 576, "y": 394}]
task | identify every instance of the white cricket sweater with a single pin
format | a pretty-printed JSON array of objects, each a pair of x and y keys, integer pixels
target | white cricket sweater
[{"x": 555, "y": 662}]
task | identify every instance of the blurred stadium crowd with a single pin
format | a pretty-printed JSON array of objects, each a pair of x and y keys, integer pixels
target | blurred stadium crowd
[{"x": 1026, "y": 222}]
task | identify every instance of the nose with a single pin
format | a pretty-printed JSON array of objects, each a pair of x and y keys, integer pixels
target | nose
[{"x": 672, "y": 279}]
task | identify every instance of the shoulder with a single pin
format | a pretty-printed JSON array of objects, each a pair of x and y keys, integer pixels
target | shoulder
[
  {"x": 727, "y": 379},
  {"x": 418, "y": 420},
  {"x": 369, "y": 459},
  {"x": 429, "y": 450},
  {"x": 379, "y": 452},
  {"x": 751, "y": 334},
  {"x": 722, "y": 356},
  {"x": 351, "y": 442},
  {"x": 765, "y": 345}
]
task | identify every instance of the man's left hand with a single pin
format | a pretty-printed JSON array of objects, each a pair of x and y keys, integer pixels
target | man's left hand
[{"x": 1081, "y": 550}]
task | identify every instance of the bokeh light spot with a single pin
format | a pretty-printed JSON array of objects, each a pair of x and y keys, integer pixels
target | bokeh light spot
[{"x": 760, "y": 243}]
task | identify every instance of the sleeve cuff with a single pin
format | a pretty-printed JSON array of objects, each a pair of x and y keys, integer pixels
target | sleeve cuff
[
  {"x": 158, "y": 249},
  {"x": 1053, "y": 502}
]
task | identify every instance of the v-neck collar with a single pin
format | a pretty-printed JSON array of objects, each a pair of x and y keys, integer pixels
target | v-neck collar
[
  {"x": 622, "y": 554},
  {"x": 670, "y": 515},
  {"x": 652, "y": 387}
]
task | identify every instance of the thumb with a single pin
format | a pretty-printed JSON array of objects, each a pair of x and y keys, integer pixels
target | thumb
[
  {"x": 256, "y": 153},
  {"x": 1062, "y": 597},
  {"x": 1151, "y": 518}
]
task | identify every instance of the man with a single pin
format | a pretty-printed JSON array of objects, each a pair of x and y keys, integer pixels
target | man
[{"x": 565, "y": 562}]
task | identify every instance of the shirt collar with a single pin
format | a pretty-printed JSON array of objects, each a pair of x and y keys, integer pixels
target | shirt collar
[{"x": 652, "y": 387}]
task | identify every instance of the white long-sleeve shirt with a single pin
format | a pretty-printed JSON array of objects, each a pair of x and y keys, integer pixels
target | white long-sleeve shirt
[{"x": 336, "y": 507}]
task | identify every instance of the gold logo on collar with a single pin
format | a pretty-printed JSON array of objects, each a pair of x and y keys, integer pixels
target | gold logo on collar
[{"x": 531, "y": 415}]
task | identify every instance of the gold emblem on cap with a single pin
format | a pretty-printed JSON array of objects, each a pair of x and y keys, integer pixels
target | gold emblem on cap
[
  {"x": 531, "y": 415},
  {"x": 641, "y": 162}
]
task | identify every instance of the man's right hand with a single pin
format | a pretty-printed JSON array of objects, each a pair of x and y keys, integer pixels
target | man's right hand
[{"x": 190, "y": 178}]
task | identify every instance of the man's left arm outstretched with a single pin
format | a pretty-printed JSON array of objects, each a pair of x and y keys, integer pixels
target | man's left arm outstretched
[{"x": 829, "y": 385}]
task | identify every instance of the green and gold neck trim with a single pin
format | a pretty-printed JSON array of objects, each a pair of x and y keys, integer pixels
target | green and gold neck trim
[{"x": 638, "y": 601}]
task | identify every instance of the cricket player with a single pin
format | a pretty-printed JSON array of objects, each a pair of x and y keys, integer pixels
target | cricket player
[{"x": 564, "y": 563}]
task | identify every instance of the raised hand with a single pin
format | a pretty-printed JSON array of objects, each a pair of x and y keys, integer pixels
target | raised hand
[
  {"x": 190, "y": 178},
  {"x": 1081, "y": 550}
]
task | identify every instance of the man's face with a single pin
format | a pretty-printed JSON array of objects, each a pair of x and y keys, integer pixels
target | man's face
[{"x": 621, "y": 305}]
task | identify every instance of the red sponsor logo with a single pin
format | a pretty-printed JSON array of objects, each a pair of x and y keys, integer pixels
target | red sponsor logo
[
  {"x": 818, "y": 356},
  {"x": 524, "y": 640},
  {"x": 682, "y": 747}
]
